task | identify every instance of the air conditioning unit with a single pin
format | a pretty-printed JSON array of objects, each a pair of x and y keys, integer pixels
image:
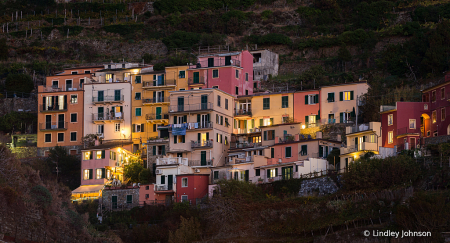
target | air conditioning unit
[
  {"x": 280, "y": 161},
  {"x": 158, "y": 172},
  {"x": 197, "y": 171}
]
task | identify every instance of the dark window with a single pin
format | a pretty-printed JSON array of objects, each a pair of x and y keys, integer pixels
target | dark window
[
  {"x": 226, "y": 104},
  {"x": 237, "y": 73},
  {"x": 48, "y": 138},
  {"x": 137, "y": 96},
  {"x": 288, "y": 152},
  {"x": 237, "y": 90},
  {"x": 129, "y": 197},
  {"x": 74, "y": 72},
  {"x": 266, "y": 103},
  {"x": 182, "y": 74},
  {"x": 215, "y": 73},
  {"x": 257, "y": 172},
  {"x": 87, "y": 71},
  {"x": 73, "y": 136},
  {"x": 138, "y": 79},
  {"x": 73, "y": 117},
  {"x": 218, "y": 100},
  {"x": 216, "y": 175},
  {"x": 60, "y": 137},
  {"x": 246, "y": 76},
  {"x": 284, "y": 101}
]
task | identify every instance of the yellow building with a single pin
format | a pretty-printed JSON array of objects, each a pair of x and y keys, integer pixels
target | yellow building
[{"x": 150, "y": 101}]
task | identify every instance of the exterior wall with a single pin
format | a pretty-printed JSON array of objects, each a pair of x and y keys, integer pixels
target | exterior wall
[
  {"x": 268, "y": 65},
  {"x": 81, "y": 70},
  {"x": 145, "y": 190},
  {"x": 121, "y": 198},
  {"x": 290, "y": 128},
  {"x": 442, "y": 101},
  {"x": 301, "y": 109},
  {"x": 338, "y": 106},
  {"x": 276, "y": 111},
  {"x": 110, "y": 133},
  {"x": 173, "y": 73},
  {"x": 197, "y": 187}
]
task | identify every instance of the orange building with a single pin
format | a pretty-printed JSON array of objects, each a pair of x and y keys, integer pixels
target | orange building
[{"x": 60, "y": 104}]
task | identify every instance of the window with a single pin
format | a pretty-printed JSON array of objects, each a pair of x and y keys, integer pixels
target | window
[
  {"x": 137, "y": 128},
  {"x": 184, "y": 182},
  {"x": 412, "y": 123},
  {"x": 137, "y": 96},
  {"x": 147, "y": 196},
  {"x": 442, "y": 93},
  {"x": 87, "y": 174},
  {"x": 272, "y": 153},
  {"x": 237, "y": 73},
  {"x": 184, "y": 198},
  {"x": 117, "y": 127},
  {"x": 73, "y": 99},
  {"x": 219, "y": 138},
  {"x": 304, "y": 150},
  {"x": 216, "y": 175},
  {"x": 284, "y": 101},
  {"x": 390, "y": 119},
  {"x": 179, "y": 138},
  {"x": 226, "y": 122},
  {"x": 266, "y": 103},
  {"x": 442, "y": 114},
  {"x": 73, "y": 117},
  {"x": 73, "y": 136},
  {"x": 226, "y": 104},
  {"x": 226, "y": 140},
  {"x": 271, "y": 173},
  {"x": 257, "y": 172},
  {"x": 372, "y": 138},
  {"x": 147, "y": 188},
  {"x": 215, "y": 86},
  {"x": 100, "y": 129},
  {"x": 87, "y": 71},
  {"x": 330, "y": 97},
  {"x": 433, "y": 96},
  {"x": 182, "y": 74},
  {"x": 138, "y": 112},
  {"x": 269, "y": 135},
  {"x": 74, "y": 72},
  {"x": 237, "y": 90},
  {"x": 60, "y": 137},
  {"x": 246, "y": 76},
  {"x": 288, "y": 152},
  {"x": 218, "y": 101},
  {"x": 348, "y": 95},
  {"x": 82, "y": 82},
  {"x": 215, "y": 73},
  {"x": 425, "y": 107},
  {"x": 311, "y": 99},
  {"x": 87, "y": 155},
  {"x": 390, "y": 137},
  {"x": 137, "y": 79},
  {"x": 98, "y": 154},
  {"x": 433, "y": 117},
  {"x": 100, "y": 173},
  {"x": 129, "y": 199},
  {"x": 112, "y": 155},
  {"x": 108, "y": 77},
  {"x": 48, "y": 138}
]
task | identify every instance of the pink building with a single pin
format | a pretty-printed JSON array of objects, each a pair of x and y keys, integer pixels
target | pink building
[
  {"x": 307, "y": 107},
  {"x": 229, "y": 72},
  {"x": 192, "y": 187}
]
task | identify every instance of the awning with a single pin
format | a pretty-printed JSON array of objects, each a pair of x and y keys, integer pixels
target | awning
[{"x": 88, "y": 189}]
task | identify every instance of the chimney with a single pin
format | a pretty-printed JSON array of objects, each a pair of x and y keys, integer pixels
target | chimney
[
  {"x": 318, "y": 135},
  {"x": 338, "y": 137}
]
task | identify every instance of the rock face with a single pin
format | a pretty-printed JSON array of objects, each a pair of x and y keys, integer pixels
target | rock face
[
  {"x": 8, "y": 105},
  {"x": 318, "y": 186}
]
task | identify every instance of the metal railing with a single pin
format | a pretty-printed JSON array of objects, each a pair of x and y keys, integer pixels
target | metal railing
[
  {"x": 331, "y": 100},
  {"x": 106, "y": 117},
  {"x": 155, "y": 100},
  {"x": 286, "y": 138},
  {"x": 406, "y": 130},
  {"x": 156, "y": 116},
  {"x": 162, "y": 188},
  {"x": 199, "y": 125},
  {"x": 158, "y": 140},
  {"x": 246, "y": 145},
  {"x": 43, "y": 108},
  {"x": 171, "y": 161},
  {"x": 201, "y": 144},
  {"x": 360, "y": 128},
  {"x": 242, "y": 112},
  {"x": 62, "y": 88},
  {"x": 53, "y": 126},
  {"x": 207, "y": 162},
  {"x": 158, "y": 83},
  {"x": 218, "y": 62},
  {"x": 194, "y": 81},
  {"x": 331, "y": 121},
  {"x": 118, "y": 98},
  {"x": 193, "y": 107}
]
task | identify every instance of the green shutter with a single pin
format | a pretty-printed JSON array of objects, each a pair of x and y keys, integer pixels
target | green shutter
[
  {"x": 185, "y": 119},
  {"x": 304, "y": 150},
  {"x": 175, "y": 139},
  {"x": 306, "y": 121},
  {"x": 276, "y": 171},
  {"x": 207, "y": 136},
  {"x": 268, "y": 173},
  {"x": 133, "y": 127},
  {"x": 163, "y": 150},
  {"x": 320, "y": 151},
  {"x": 198, "y": 118},
  {"x": 288, "y": 152},
  {"x": 273, "y": 134},
  {"x": 142, "y": 127},
  {"x": 91, "y": 154},
  {"x": 316, "y": 98},
  {"x": 183, "y": 138},
  {"x": 91, "y": 173},
  {"x": 154, "y": 150},
  {"x": 216, "y": 174},
  {"x": 163, "y": 179},
  {"x": 351, "y": 95},
  {"x": 364, "y": 139},
  {"x": 175, "y": 119},
  {"x": 272, "y": 152},
  {"x": 341, "y": 96},
  {"x": 261, "y": 122},
  {"x": 253, "y": 123},
  {"x": 265, "y": 135},
  {"x": 306, "y": 99},
  {"x": 341, "y": 117},
  {"x": 129, "y": 198},
  {"x": 103, "y": 173},
  {"x": 271, "y": 121},
  {"x": 199, "y": 136}
]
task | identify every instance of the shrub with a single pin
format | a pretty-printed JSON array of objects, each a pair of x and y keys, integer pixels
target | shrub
[
  {"x": 73, "y": 30},
  {"x": 41, "y": 196},
  {"x": 19, "y": 83},
  {"x": 181, "y": 39},
  {"x": 123, "y": 29},
  {"x": 189, "y": 231},
  {"x": 3, "y": 49},
  {"x": 270, "y": 39},
  {"x": 132, "y": 171},
  {"x": 266, "y": 14}
]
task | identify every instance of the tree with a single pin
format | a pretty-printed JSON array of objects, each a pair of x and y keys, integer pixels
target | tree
[
  {"x": 146, "y": 176},
  {"x": 333, "y": 158},
  {"x": 16, "y": 121},
  {"x": 3, "y": 49},
  {"x": 132, "y": 171},
  {"x": 19, "y": 83},
  {"x": 189, "y": 231},
  {"x": 69, "y": 166},
  {"x": 147, "y": 58}
]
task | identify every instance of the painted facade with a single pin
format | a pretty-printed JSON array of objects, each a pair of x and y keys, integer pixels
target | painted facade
[
  {"x": 191, "y": 187},
  {"x": 306, "y": 108}
]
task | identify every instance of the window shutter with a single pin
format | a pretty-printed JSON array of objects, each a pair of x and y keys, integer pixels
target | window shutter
[
  {"x": 91, "y": 154},
  {"x": 317, "y": 119},
  {"x": 65, "y": 102},
  {"x": 351, "y": 95},
  {"x": 316, "y": 98},
  {"x": 253, "y": 123},
  {"x": 163, "y": 179},
  {"x": 265, "y": 135},
  {"x": 276, "y": 171},
  {"x": 121, "y": 110},
  {"x": 306, "y": 120},
  {"x": 91, "y": 174},
  {"x": 175, "y": 139},
  {"x": 163, "y": 150},
  {"x": 268, "y": 173},
  {"x": 175, "y": 119},
  {"x": 341, "y": 117},
  {"x": 142, "y": 127},
  {"x": 133, "y": 127},
  {"x": 306, "y": 99},
  {"x": 341, "y": 96},
  {"x": 320, "y": 151},
  {"x": 154, "y": 127},
  {"x": 364, "y": 139},
  {"x": 183, "y": 138},
  {"x": 185, "y": 119},
  {"x": 43, "y": 103},
  {"x": 207, "y": 136},
  {"x": 154, "y": 150},
  {"x": 272, "y": 152},
  {"x": 217, "y": 118},
  {"x": 103, "y": 154},
  {"x": 198, "y": 117},
  {"x": 271, "y": 121},
  {"x": 103, "y": 173},
  {"x": 207, "y": 117},
  {"x": 273, "y": 134},
  {"x": 199, "y": 135}
]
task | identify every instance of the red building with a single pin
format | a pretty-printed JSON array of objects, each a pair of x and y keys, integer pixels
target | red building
[
  {"x": 191, "y": 187},
  {"x": 307, "y": 107}
]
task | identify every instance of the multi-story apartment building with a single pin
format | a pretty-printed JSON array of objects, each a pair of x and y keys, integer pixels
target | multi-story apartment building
[
  {"x": 265, "y": 63},
  {"x": 60, "y": 115},
  {"x": 361, "y": 139},
  {"x": 338, "y": 103},
  {"x": 230, "y": 72},
  {"x": 306, "y": 107}
]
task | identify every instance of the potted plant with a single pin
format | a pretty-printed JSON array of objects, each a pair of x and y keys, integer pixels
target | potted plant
[{"x": 260, "y": 180}]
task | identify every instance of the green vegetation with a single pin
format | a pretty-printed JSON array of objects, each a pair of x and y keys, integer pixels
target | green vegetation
[
  {"x": 17, "y": 121},
  {"x": 41, "y": 196},
  {"x": 135, "y": 172},
  {"x": 3, "y": 49},
  {"x": 69, "y": 166},
  {"x": 19, "y": 83}
]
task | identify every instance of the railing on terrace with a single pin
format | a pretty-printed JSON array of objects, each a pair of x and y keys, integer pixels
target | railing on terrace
[
  {"x": 243, "y": 112},
  {"x": 162, "y": 188},
  {"x": 62, "y": 88},
  {"x": 360, "y": 128},
  {"x": 62, "y": 107},
  {"x": 106, "y": 116},
  {"x": 171, "y": 161},
  {"x": 53, "y": 126},
  {"x": 218, "y": 62},
  {"x": 194, "y": 81},
  {"x": 286, "y": 138},
  {"x": 115, "y": 98},
  {"x": 406, "y": 130},
  {"x": 158, "y": 83},
  {"x": 156, "y": 116},
  {"x": 201, "y": 144},
  {"x": 155, "y": 100},
  {"x": 199, "y": 125},
  {"x": 157, "y": 140},
  {"x": 192, "y": 107},
  {"x": 207, "y": 162},
  {"x": 246, "y": 145},
  {"x": 331, "y": 121}
]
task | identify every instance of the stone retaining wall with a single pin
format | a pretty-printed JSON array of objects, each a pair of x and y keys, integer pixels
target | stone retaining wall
[{"x": 317, "y": 186}]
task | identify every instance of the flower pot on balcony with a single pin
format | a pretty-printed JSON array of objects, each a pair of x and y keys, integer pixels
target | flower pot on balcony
[{"x": 271, "y": 180}]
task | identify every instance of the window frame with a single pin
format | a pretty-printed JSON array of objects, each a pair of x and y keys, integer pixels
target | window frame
[
  {"x": 344, "y": 98},
  {"x": 184, "y": 74},
  {"x": 45, "y": 137},
  {"x": 135, "y": 111},
  {"x": 282, "y": 102},
  {"x": 117, "y": 125},
  {"x": 433, "y": 116},
  {"x": 213, "y": 73},
  {"x": 57, "y": 137},
  {"x": 414, "y": 123},
  {"x": 246, "y": 77},
  {"x": 390, "y": 137},
  {"x": 443, "y": 114},
  {"x": 237, "y": 73},
  {"x": 264, "y": 103},
  {"x": 443, "y": 93},
  {"x": 140, "y": 95},
  {"x": 390, "y": 119},
  {"x": 285, "y": 152},
  {"x": 76, "y": 98},
  {"x": 186, "y": 198},
  {"x": 76, "y": 133},
  {"x": 76, "y": 113},
  {"x": 433, "y": 96},
  {"x": 184, "y": 182}
]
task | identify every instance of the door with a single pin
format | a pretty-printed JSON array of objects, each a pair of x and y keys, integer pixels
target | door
[
  {"x": 204, "y": 121},
  {"x": 48, "y": 121},
  {"x": 227, "y": 60},
  {"x": 412, "y": 142},
  {"x": 61, "y": 121},
  {"x": 356, "y": 143},
  {"x": 169, "y": 182},
  {"x": 114, "y": 202},
  {"x": 158, "y": 112},
  {"x": 204, "y": 102},
  {"x": 203, "y": 158},
  {"x": 180, "y": 103},
  {"x": 68, "y": 84},
  {"x": 100, "y": 96},
  {"x": 287, "y": 172},
  {"x": 196, "y": 77},
  {"x": 117, "y": 95},
  {"x": 100, "y": 113}
]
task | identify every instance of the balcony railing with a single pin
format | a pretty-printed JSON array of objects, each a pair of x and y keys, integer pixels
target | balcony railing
[
  {"x": 243, "y": 112},
  {"x": 106, "y": 116},
  {"x": 172, "y": 161},
  {"x": 115, "y": 98},
  {"x": 158, "y": 83},
  {"x": 331, "y": 121},
  {"x": 201, "y": 144},
  {"x": 155, "y": 100},
  {"x": 406, "y": 130},
  {"x": 156, "y": 116},
  {"x": 199, "y": 125},
  {"x": 62, "y": 88},
  {"x": 247, "y": 145},
  {"x": 246, "y": 131},
  {"x": 195, "y": 81},
  {"x": 286, "y": 138},
  {"x": 162, "y": 188},
  {"x": 218, "y": 62},
  {"x": 157, "y": 140},
  {"x": 193, "y": 107},
  {"x": 330, "y": 100},
  {"x": 365, "y": 146},
  {"x": 360, "y": 128},
  {"x": 200, "y": 162},
  {"x": 47, "y": 126},
  {"x": 43, "y": 108}
]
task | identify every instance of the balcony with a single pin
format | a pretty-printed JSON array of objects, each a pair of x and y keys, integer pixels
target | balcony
[
  {"x": 200, "y": 162},
  {"x": 61, "y": 89},
  {"x": 57, "y": 108},
  {"x": 159, "y": 84},
  {"x": 199, "y": 125},
  {"x": 155, "y": 100},
  {"x": 201, "y": 144},
  {"x": 286, "y": 138},
  {"x": 366, "y": 146},
  {"x": 247, "y": 159},
  {"x": 197, "y": 81},
  {"x": 171, "y": 161},
  {"x": 194, "y": 107},
  {"x": 406, "y": 130},
  {"x": 218, "y": 62},
  {"x": 240, "y": 131},
  {"x": 246, "y": 145},
  {"x": 156, "y": 140},
  {"x": 331, "y": 121},
  {"x": 102, "y": 117},
  {"x": 108, "y": 99},
  {"x": 161, "y": 188},
  {"x": 53, "y": 126},
  {"x": 243, "y": 112},
  {"x": 330, "y": 100},
  {"x": 150, "y": 117}
]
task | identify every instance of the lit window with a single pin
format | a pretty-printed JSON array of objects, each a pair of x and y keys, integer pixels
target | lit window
[
  {"x": 348, "y": 95},
  {"x": 271, "y": 173},
  {"x": 433, "y": 116},
  {"x": 99, "y": 174},
  {"x": 87, "y": 175},
  {"x": 117, "y": 127},
  {"x": 184, "y": 182},
  {"x": 390, "y": 137},
  {"x": 87, "y": 155},
  {"x": 412, "y": 123},
  {"x": 73, "y": 99},
  {"x": 98, "y": 154},
  {"x": 390, "y": 119},
  {"x": 372, "y": 138}
]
